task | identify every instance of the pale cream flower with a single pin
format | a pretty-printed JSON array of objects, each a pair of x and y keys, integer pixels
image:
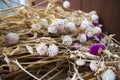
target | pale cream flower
[
  {"x": 93, "y": 66},
  {"x": 66, "y": 4},
  {"x": 83, "y": 38},
  {"x": 85, "y": 24},
  {"x": 42, "y": 49},
  {"x": 108, "y": 75},
  {"x": 70, "y": 26},
  {"x": 59, "y": 23},
  {"x": 80, "y": 62},
  {"x": 98, "y": 30},
  {"x": 94, "y": 17},
  {"x": 52, "y": 29},
  {"x": 52, "y": 50},
  {"x": 12, "y": 38},
  {"x": 67, "y": 40}
]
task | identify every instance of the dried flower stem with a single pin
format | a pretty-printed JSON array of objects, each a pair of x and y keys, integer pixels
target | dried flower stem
[{"x": 16, "y": 62}]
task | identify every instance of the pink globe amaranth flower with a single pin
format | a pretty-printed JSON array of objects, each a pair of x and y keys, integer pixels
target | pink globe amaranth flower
[{"x": 94, "y": 48}]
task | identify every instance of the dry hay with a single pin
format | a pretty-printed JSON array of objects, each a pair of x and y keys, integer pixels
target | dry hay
[{"x": 21, "y": 61}]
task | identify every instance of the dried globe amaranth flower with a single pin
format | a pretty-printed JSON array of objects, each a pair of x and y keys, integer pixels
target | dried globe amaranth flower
[
  {"x": 42, "y": 49},
  {"x": 80, "y": 62},
  {"x": 94, "y": 48},
  {"x": 12, "y": 38},
  {"x": 108, "y": 75},
  {"x": 52, "y": 50},
  {"x": 83, "y": 38},
  {"x": 66, "y": 4},
  {"x": 94, "y": 17},
  {"x": 67, "y": 40},
  {"x": 52, "y": 29},
  {"x": 70, "y": 26},
  {"x": 98, "y": 30},
  {"x": 93, "y": 66},
  {"x": 85, "y": 24},
  {"x": 59, "y": 23}
]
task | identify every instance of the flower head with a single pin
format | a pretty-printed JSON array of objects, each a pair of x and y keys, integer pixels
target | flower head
[
  {"x": 85, "y": 24},
  {"x": 52, "y": 29},
  {"x": 12, "y": 38},
  {"x": 66, "y": 4},
  {"x": 94, "y": 17},
  {"x": 42, "y": 49},
  {"x": 83, "y": 38},
  {"x": 80, "y": 62},
  {"x": 93, "y": 66},
  {"x": 94, "y": 48},
  {"x": 59, "y": 23},
  {"x": 70, "y": 26},
  {"x": 98, "y": 30},
  {"x": 109, "y": 73},
  {"x": 52, "y": 50},
  {"x": 67, "y": 40}
]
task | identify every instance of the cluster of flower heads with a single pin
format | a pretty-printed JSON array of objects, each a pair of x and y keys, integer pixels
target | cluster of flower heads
[
  {"x": 60, "y": 25},
  {"x": 43, "y": 49},
  {"x": 67, "y": 27}
]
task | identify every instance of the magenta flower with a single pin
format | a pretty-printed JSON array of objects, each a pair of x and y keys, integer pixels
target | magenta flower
[{"x": 94, "y": 48}]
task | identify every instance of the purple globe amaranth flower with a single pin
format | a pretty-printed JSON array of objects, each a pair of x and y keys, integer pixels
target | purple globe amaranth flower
[
  {"x": 95, "y": 23},
  {"x": 94, "y": 48}
]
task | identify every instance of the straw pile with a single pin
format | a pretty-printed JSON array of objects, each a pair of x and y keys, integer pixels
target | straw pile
[{"x": 56, "y": 43}]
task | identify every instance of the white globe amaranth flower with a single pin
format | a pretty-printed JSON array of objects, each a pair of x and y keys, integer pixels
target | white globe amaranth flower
[
  {"x": 83, "y": 38},
  {"x": 94, "y": 17},
  {"x": 93, "y": 66},
  {"x": 108, "y": 75},
  {"x": 85, "y": 24},
  {"x": 12, "y": 38},
  {"x": 52, "y": 29},
  {"x": 67, "y": 40},
  {"x": 80, "y": 62},
  {"x": 52, "y": 50},
  {"x": 70, "y": 26},
  {"x": 66, "y": 4},
  {"x": 42, "y": 49},
  {"x": 98, "y": 30},
  {"x": 59, "y": 23}
]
